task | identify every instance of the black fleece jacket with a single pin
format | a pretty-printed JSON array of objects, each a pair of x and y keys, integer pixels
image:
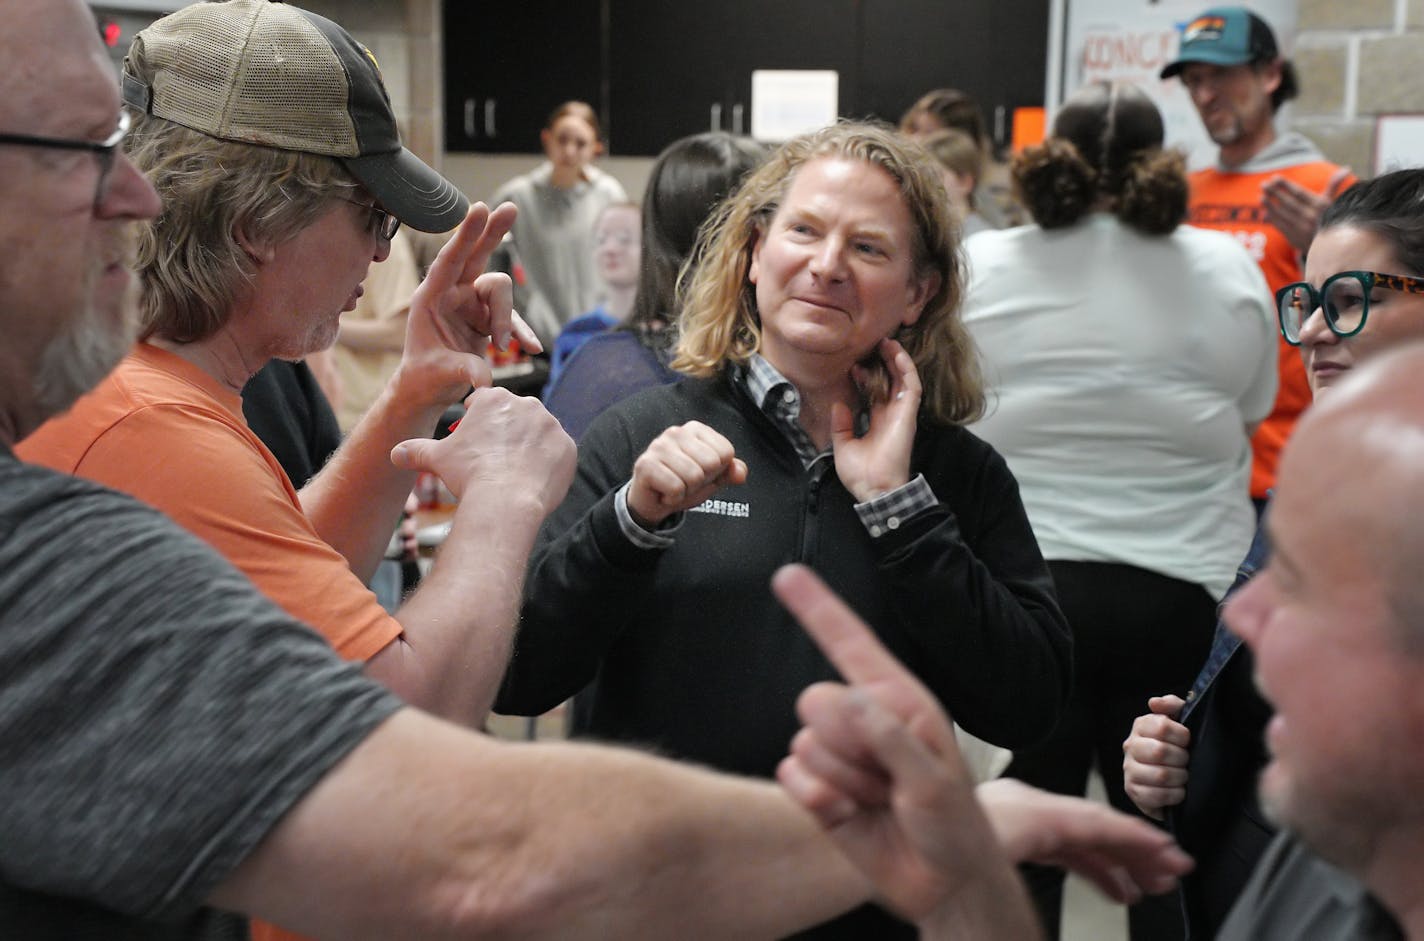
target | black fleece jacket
[{"x": 687, "y": 651}]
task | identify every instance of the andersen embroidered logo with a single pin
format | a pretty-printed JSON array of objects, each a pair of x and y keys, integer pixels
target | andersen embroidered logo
[{"x": 724, "y": 508}]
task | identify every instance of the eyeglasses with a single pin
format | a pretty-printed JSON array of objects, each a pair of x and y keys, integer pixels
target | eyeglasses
[
  {"x": 1344, "y": 298},
  {"x": 104, "y": 151},
  {"x": 383, "y": 223}
]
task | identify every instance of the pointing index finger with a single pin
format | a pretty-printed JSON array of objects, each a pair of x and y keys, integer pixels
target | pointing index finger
[
  {"x": 448, "y": 268},
  {"x": 498, "y": 224}
]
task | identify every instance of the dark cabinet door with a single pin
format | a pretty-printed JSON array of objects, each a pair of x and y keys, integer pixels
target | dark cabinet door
[
  {"x": 666, "y": 77},
  {"x": 657, "y": 70},
  {"x": 1020, "y": 57},
  {"x": 508, "y": 66},
  {"x": 680, "y": 68},
  {"x": 797, "y": 34},
  {"x": 995, "y": 50}
]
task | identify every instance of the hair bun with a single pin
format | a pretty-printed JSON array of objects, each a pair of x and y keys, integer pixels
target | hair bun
[
  {"x": 1055, "y": 183},
  {"x": 1154, "y": 192}
]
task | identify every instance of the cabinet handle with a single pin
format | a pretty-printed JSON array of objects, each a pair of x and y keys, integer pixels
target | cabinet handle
[
  {"x": 716, "y": 116},
  {"x": 490, "y": 130},
  {"x": 737, "y": 118},
  {"x": 470, "y": 117}
]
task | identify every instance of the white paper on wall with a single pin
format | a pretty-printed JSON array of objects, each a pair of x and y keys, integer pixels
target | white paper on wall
[{"x": 787, "y": 102}]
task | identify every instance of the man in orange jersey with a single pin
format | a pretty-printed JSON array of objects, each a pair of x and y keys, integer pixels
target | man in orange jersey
[{"x": 1267, "y": 189}]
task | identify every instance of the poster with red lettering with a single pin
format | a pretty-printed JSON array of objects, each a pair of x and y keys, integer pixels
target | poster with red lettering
[{"x": 1132, "y": 40}]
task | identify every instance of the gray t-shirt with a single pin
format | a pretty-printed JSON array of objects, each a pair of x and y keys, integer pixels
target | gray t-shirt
[
  {"x": 1294, "y": 894},
  {"x": 158, "y": 716},
  {"x": 554, "y": 239}
]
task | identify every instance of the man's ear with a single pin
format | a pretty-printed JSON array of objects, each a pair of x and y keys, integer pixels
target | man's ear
[
  {"x": 259, "y": 251},
  {"x": 1271, "y": 75},
  {"x": 922, "y": 289},
  {"x": 753, "y": 270}
]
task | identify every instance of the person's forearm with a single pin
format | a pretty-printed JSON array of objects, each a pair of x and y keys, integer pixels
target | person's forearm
[
  {"x": 558, "y": 841},
  {"x": 374, "y": 336},
  {"x": 356, "y": 500},
  {"x": 993, "y": 905},
  {"x": 710, "y": 856},
  {"x": 459, "y": 624}
]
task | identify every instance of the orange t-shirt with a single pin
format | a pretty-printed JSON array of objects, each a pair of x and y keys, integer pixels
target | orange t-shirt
[
  {"x": 164, "y": 431},
  {"x": 1230, "y": 201}
]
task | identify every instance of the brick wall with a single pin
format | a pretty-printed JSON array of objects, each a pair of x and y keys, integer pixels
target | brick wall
[{"x": 1356, "y": 60}]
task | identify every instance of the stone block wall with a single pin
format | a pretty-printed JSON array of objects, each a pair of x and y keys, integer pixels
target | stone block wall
[{"x": 1356, "y": 61}]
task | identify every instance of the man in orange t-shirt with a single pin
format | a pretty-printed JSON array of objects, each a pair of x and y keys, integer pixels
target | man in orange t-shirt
[
  {"x": 1268, "y": 189},
  {"x": 254, "y": 257}
]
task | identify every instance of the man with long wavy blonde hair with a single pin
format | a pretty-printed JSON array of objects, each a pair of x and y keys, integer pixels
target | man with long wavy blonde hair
[{"x": 829, "y": 376}]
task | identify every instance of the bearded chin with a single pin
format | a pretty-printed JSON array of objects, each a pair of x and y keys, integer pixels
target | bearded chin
[
  {"x": 1227, "y": 135},
  {"x": 75, "y": 361}
]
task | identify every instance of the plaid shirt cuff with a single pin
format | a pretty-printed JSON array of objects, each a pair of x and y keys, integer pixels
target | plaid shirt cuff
[
  {"x": 660, "y": 538},
  {"x": 888, "y": 511}
]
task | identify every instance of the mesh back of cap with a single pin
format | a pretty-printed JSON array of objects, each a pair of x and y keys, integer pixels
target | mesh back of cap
[{"x": 254, "y": 72}]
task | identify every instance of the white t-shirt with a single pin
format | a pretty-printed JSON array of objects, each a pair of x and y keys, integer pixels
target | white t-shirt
[{"x": 1122, "y": 369}]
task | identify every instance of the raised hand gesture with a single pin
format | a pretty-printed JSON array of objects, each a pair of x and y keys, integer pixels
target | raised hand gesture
[
  {"x": 879, "y": 461},
  {"x": 683, "y": 466},
  {"x": 457, "y": 310}
]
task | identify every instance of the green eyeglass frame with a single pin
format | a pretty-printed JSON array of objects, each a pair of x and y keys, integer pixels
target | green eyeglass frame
[{"x": 1344, "y": 299}]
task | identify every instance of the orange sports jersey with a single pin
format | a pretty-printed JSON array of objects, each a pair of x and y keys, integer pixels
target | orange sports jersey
[{"x": 1230, "y": 201}]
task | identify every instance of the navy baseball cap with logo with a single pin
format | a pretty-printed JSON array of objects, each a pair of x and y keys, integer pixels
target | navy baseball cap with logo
[{"x": 1224, "y": 36}]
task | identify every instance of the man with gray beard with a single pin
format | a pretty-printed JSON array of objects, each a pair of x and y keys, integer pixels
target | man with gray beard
[{"x": 1335, "y": 622}]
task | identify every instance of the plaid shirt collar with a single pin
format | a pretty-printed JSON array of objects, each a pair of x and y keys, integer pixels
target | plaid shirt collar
[{"x": 780, "y": 401}]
